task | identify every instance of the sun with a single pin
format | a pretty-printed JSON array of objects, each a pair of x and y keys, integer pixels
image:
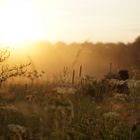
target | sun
[
  {"x": 19, "y": 23},
  {"x": 24, "y": 21}
]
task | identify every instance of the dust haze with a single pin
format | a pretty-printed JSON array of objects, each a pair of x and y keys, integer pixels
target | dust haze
[{"x": 94, "y": 57}]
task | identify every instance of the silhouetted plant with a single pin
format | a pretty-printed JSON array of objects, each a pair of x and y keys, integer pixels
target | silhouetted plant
[
  {"x": 7, "y": 71},
  {"x": 34, "y": 75}
]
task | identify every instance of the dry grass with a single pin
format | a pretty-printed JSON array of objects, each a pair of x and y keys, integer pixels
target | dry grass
[{"x": 91, "y": 111}]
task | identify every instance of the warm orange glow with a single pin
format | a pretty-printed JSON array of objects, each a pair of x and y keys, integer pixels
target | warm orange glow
[
  {"x": 23, "y": 22},
  {"x": 68, "y": 20},
  {"x": 18, "y": 24}
]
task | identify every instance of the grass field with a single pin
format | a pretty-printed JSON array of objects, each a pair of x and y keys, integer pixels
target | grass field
[{"x": 93, "y": 110}]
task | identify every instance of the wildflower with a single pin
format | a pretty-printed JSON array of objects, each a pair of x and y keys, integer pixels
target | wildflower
[
  {"x": 64, "y": 90},
  {"x": 120, "y": 97},
  {"x": 111, "y": 115},
  {"x": 8, "y": 107},
  {"x": 17, "y": 129}
]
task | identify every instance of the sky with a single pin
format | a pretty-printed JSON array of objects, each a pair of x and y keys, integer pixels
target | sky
[{"x": 69, "y": 20}]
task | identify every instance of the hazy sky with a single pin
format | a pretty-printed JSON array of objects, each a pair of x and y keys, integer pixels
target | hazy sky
[{"x": 70, "y": 20}]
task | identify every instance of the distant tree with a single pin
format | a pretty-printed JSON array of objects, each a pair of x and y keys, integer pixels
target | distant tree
[{"x": 137, "y": 40}]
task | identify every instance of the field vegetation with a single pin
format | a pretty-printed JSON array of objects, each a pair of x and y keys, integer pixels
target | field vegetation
[{"x": 72, "y": 106}]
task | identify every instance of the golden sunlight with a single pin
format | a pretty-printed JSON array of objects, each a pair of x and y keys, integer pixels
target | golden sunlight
[{"x": 19, "y": 24}]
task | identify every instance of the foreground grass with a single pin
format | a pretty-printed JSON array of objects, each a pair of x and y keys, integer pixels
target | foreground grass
[{"x": 90, "y": 112}]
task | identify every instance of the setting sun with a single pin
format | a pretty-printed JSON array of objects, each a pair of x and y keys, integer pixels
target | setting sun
[
  {"x": 23, "y": 21},
  {"x": 18, "y": 24},
  {"x": 69, "y": 21}
]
